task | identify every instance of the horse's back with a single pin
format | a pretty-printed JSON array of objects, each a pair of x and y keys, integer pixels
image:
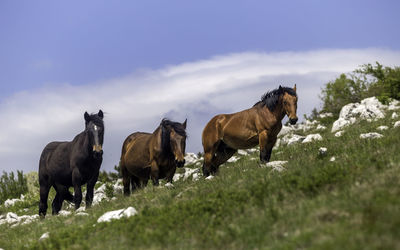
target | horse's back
[
  {"x": 48, "y": 152},
  {"x": 135, "y": 151},
  {"x": 52, "y": 158},
  {"x": 219, "y": 121},
  {"x": 132, "y": 140},
  {"x": 232, "y": 129}
]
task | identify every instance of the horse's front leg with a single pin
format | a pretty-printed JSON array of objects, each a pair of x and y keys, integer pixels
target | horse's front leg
[
  {"x": 270, "y": 145},
  {"x": 90, "y": 189},
  {"x": 77, "y": 183},
  {"x": 154, "y": 172},
  {"x": 170, "y": 174},
  {"x": 265, "y": 146}
]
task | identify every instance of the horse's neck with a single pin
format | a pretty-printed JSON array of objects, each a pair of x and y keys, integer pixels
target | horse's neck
[
  {"x": 277, "y": 115},
  {"x": 279, "y": 112},
  {"x": 83, "y": 140},
  {"x": 166, "y": 152},
  {"x": 157, "y": 139}
]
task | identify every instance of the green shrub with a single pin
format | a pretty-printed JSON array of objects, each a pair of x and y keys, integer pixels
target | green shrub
[
  {"x": 345, "y": 89},
  {"x": 105, "y": 176},
  {"x": 385, "y": 83},
  {"x": 367, "y": 81},
  {"x": 109, "y": 190},
  {"x": 11, "y": 187},
  {"x": 32, "y": 182}
]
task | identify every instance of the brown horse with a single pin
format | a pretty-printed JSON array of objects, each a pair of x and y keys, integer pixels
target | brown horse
[
  {"x": 155, "y": 155},
  {"x": 259, "y": 125}
]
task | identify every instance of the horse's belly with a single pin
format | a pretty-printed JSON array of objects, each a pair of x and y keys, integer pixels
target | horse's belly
[
  {"x": 142, "y": 172},
  {"x": 134, "y": 162},
  {"x": 63, "y": 177},
  {"x": 240, "y": 143}
]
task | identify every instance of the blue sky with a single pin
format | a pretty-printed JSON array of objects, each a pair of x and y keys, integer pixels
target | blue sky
[
  {"x": 51, "y": 42},
  {"x": 59, "y": 59}
]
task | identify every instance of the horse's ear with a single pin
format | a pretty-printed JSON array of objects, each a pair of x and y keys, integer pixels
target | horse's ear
[
  {"x": 184, "y": 123},
  {"x": 87, "y": 117},
  {"x": 294, "y": 88},
  {"x": 100, "y": 114},
  {"x": 280, "y": 89}
]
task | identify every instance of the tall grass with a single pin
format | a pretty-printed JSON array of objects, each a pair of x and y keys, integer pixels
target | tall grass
[{"x": 350, "y": 203}]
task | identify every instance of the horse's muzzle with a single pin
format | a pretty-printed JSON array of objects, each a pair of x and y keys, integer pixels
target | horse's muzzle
[
  {"x": 180, "y": 164},
  {"x": 97, "y": 151},
  {"x": 293, "y": 120},
  {"x": 98, "y": 154}
]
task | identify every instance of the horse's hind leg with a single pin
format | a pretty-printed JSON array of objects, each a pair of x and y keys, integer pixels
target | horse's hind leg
[
  {"x": 68, "y": 196},
  {"x": 143, "y": 183},
  {"x": 58, "y": 200},
  {"x": 135, "y": 183},
  {"x": 215, "y": 156},
  {"x": 126, "y": 179},
  {"x": 57, "y": 203},
  {"x": 44, "y": 193},
  {"x": 222, "y": 154}
]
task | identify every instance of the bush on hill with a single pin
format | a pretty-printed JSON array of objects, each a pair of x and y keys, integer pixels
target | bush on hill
[
  {"x": 12, "y": 186},
  {"x": 369, "y": 80}
]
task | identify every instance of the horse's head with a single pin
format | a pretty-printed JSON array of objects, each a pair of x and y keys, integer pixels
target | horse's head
[
  {"x": 94, "y": 127},
  {"x": 289, "y": 102},
  {"x": 174, "y": 138}
]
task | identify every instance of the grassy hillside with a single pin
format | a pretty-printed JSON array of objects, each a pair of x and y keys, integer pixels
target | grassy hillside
[{"x": 350, "y": 203}]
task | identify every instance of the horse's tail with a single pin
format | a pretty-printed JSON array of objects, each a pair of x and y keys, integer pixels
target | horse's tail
[{"x": 123, "y": 152}]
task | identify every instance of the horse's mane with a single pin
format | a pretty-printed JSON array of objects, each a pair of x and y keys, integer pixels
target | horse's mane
[
  {"x": 271, "y": 98},
  {"x": 166, "y": 126}
]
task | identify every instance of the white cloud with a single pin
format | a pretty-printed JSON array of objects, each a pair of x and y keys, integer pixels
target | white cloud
[{"x": 196, "y": 90}]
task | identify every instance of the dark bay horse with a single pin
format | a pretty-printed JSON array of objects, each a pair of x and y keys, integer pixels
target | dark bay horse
[
  {"x": 226, "y": 133},
  {"x": 72, "y": 164},
  {"x": 155, "y": 155}
]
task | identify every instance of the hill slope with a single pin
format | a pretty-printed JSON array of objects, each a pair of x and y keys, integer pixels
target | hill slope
[{"x": 352, "y": 202}]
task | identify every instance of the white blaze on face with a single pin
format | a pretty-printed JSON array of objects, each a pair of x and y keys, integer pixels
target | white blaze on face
[{"x": 96, "y": 147}]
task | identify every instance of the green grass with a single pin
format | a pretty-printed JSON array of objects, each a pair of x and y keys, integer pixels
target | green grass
[{"x": 351, "y": 203}]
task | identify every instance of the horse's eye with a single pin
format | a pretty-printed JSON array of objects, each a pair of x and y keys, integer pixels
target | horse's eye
[{"x": 285, "y": 102}]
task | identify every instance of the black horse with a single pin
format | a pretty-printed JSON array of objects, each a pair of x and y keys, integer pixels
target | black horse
[{"x": 72, "y": 164}]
